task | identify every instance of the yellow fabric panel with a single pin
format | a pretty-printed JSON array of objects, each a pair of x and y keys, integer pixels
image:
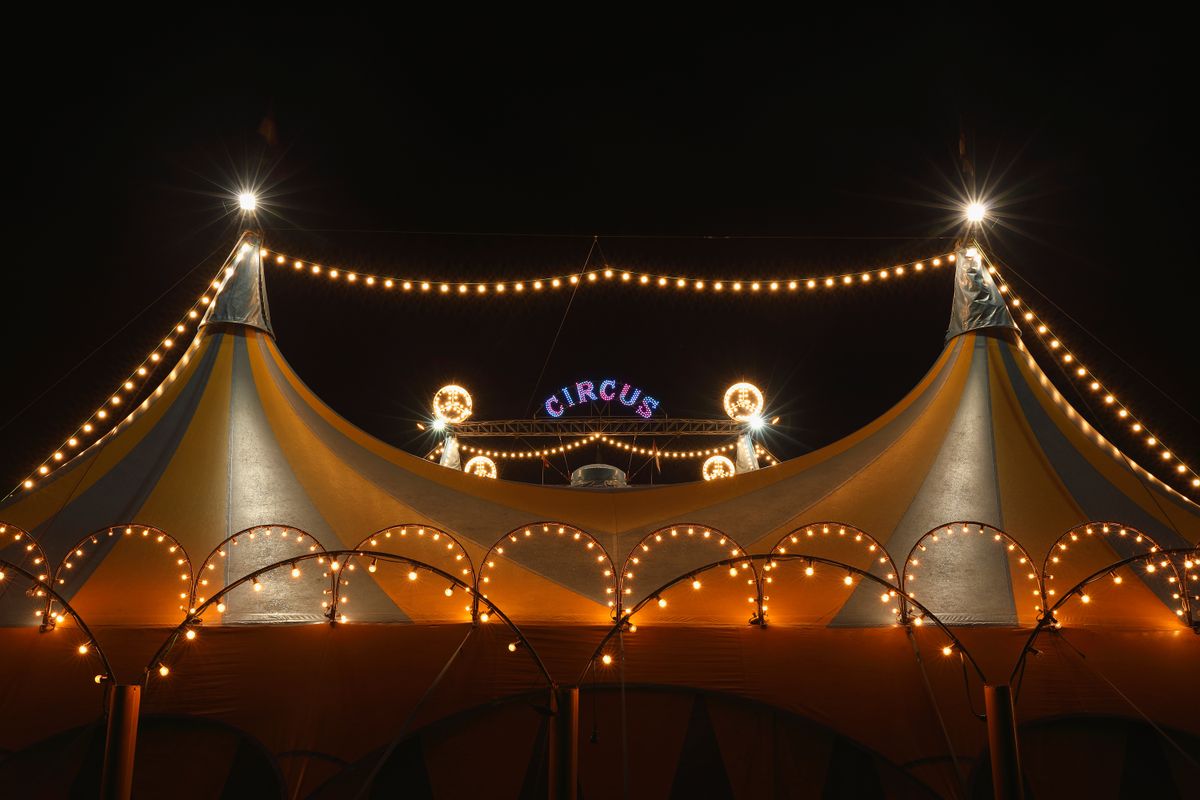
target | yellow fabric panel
[
  {"x": 597, "y": 512},
  {"x": 876, "y": 497},
  {"x": 41, "y": 503},
  {"x": 1180, "y": 514},
  {"x": 189, "y": 500}
]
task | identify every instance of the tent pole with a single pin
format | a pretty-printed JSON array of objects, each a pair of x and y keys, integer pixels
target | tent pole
[
  {"x": 564, "y": 761},
  {"x": 1007, "y": 780},
  {"x": 120, "y": 741}
]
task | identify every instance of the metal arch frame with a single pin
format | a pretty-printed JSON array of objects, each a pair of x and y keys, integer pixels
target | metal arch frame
[
  {"x": 621, "y": 623},
  {"x": 8, "y": 528},
  {"x": 243, "y": 532},
  {"x": 1157, "y": 548},
  {"x": 1039, "y": 576},
  {"x": 7, "y": 566},
  {"x": 483, "y": 564},
  {"x": 876, "y": 542},
  {"x": 195, "y": 618},
  {"x": 112, "y": 530},
  {"x": 633, "y": 552},
  {"x": 457, "y": 543},
  {"x": 1048, "y": 620}
]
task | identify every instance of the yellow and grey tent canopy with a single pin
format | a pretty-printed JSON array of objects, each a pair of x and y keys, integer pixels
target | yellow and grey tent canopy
[{"x": 978, "y": 501}]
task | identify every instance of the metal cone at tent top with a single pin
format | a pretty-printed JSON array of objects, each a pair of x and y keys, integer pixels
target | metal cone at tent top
[
  {"x": 243, "y": 297},
  {"x": 978, "y": 304},
  {"x": 743, "y": 401}
]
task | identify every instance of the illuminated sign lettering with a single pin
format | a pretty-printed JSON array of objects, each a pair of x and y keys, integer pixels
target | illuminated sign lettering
[{"x": 606, "y": 391}]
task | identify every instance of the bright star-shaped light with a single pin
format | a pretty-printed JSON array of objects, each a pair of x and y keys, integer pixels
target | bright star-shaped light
[
  {"x": 247, "y": 201},
  {"x": 976, "y": 212}
]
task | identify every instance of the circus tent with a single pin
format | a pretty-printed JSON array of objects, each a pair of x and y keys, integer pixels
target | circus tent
[{"x": 318, "y": 611}]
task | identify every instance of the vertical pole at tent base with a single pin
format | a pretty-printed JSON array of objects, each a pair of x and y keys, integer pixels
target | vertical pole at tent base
[
  {"x": 1007, "y": 782},
  {"x": 564, "y": 748},
  {"x": 120, "y": 741}
]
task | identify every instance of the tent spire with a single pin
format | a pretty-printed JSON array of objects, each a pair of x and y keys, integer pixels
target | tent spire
[
  {"x": 978, "y": 303},
  {"x": 243, "y": 298}
]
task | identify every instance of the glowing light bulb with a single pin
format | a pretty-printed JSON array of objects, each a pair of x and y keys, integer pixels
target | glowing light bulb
[
  {"x": 947, "y": 650},
  {"x": 696, "y": 583},
  {"x": 662, "y": 602},
  {"x": 163, "y": 670},
  {"x": 190, "y": 635},
  {"x": 975, "y": 212},
  {"x": 247, "y": 201}
]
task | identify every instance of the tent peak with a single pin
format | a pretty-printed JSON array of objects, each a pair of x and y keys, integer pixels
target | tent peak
[
  {"x": 242, "y": 298},
  {"x": 977, "y": 304}
]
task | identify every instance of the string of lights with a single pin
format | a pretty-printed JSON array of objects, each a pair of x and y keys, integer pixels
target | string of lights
[
  {"x": 1183, "y": 473},
  {"x": 566, "y": 448},
  {"x": 604, "y": 274},
  {"x": 106, "y": 417}
]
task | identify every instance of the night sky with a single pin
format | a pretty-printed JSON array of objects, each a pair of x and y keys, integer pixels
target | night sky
[{"x": 481, "y": 153}]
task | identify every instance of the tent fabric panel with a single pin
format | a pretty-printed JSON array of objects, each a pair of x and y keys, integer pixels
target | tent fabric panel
[
  {"x": 33, "y": 508},
  {"x": 1037, "y": 507},
  {"x": 1104, "y": 486},
  {"x": 120, "y": 491},
  {"x": 190, "y": 499},
  {"x": 969, "y": 583}
]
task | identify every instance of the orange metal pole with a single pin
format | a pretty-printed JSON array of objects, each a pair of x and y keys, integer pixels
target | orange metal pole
[{"x": 120, "y": 741}]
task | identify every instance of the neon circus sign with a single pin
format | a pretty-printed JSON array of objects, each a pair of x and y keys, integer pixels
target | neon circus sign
[{"x": 587, "y": 391}]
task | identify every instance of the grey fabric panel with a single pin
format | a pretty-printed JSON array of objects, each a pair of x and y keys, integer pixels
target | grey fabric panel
[
  {"x": 263, "y": 490},
  {"x": 118, "y": 495},
  {"x": 243, "y": 299},
  {"x": 1098, "y": 498},
  {"x": 964, "y": 581},
  {"x": 977, "y": 303},
  {"x": 1092, "y": 492}
]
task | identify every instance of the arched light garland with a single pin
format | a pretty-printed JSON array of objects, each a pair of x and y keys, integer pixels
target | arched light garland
[
  {"x": 684, "y": 534},
  {"x": 107, "y": 417},
  {"x": 148, "y": 533},
  {"x": 840, "y": 532},
  {"x": 595, "y": 552},
  {"x": 1090, "y": 383},
  {"x": 960, "y": 530},
  {"x": 11, "y": 535},
  {"x": 258, "y": 532},
  {"x": 88, "y": 645},
  {"x": 566, "y": 448},
  {"x": 1182, "y": 586},
  {"x": 187, "y": 629},
  {"x": 436, "y": 537},
  {"x": 606, "y": 274}
]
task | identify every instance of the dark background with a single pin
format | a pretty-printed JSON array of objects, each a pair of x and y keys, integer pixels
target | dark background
[{"x": 480, "y": 151}]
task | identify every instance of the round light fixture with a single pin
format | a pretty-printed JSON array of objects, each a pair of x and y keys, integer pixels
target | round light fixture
[
  {"x": 718, "y": 467},
  {"x": 452, "y": 404},
  {"x": 743, "y": 401},
  {"x": 482, "y": 467}
]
